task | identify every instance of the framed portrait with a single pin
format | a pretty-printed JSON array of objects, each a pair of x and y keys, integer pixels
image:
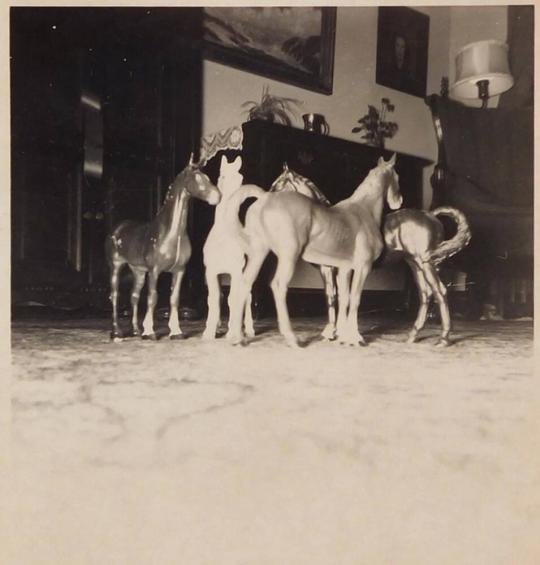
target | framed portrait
[
  {"x": 402, "y": 49},
  {"x": 290, "y": 44}
]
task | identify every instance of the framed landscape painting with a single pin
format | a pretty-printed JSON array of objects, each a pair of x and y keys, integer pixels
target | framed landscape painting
[
  {"x": 402, "y": 49},
  {"x": 290, "y": 44}
]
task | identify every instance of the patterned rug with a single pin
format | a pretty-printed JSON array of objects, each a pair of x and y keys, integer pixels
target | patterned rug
[{"x": 389, "y": 453}]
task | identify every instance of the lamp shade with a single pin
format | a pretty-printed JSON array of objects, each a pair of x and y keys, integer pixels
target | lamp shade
[{"x": 482, "y": 60}]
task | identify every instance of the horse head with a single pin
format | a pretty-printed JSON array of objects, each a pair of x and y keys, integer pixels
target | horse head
[
  {"x": 196, "y": 183},
  {"x": 230, "y": 177},
  {"x": 393, "y": 194},
  {"x": 285, "y": 181},
  {"x": 291, "y": 181}
]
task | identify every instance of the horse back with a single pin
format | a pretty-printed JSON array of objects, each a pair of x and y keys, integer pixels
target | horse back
[
  {"x": 414, "y": 231},
  {"x": 280, "y": 215},
  {"x": 128, "y": 243}
]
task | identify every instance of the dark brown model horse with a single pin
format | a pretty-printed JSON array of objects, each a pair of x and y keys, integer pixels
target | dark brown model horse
[{"x": 161, "y": 245}]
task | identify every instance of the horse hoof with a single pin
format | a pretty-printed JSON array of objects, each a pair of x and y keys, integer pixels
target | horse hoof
[
  {"x": 352, "y": 341},
  {"x": 250, "y": 334},
  {"x": 328, "y": 334},
  {"x": 149, "y": 337},
  {"x": 177, "y": 336},
  {"x": 117, "y": 339},
  {"x": 292, "y": 342},
  {"x": 412, "y": 339},
  {"x": 234, "y": 338},
  {"x": 208, "y": 336},
  {"x": 443, "y": 342}
]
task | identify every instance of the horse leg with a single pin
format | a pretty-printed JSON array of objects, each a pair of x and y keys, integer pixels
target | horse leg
[
  {"x": 327, "y": 273},
  {"x": 236, "y": 282},
  {"x": 116, "y": 333},
  {"x": 148, "y": 322},
  {"x": 174, "y": 325},
  {"x": 140, "y": 276},
  {"x": 424, "y": 294},
  {"x": 241, "y": 292},
  {"x": 212, "y": 319},
  {"x": 279, "y": 285},
  {"x": 359, "y": 278},
  {"x": 248, "y": 317},
  {"x": 439, "y": 290},
  {"x": 343, "y": 285}
]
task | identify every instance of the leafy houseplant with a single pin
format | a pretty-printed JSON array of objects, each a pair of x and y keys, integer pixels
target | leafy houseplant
[
  {"x": 272, "y": 108},
  {"x": 374, "y": 126}
]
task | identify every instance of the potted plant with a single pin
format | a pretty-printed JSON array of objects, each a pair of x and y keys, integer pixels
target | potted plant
[
  {"x": 374, "y": 126},
  {"x": 272, "y": 108}
]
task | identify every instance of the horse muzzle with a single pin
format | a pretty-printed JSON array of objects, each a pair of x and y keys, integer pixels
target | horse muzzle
[
  {"x": 214, "y": 198},
  {"x": 395, "y": 202}
]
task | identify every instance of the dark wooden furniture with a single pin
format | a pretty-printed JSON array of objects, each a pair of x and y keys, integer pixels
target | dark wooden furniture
[
  {"x": 106, "y": 107},
  {"x": 337, "y": 167},
  {"x": 485, "y": 168}
]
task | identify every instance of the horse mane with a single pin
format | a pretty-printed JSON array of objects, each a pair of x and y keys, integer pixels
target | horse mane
[
  {"x": 370, "y": 181},
  {"x": 297, "y": 178},
  {"x": 313, "y": 187},
  {"x": 178, "y": 184}
]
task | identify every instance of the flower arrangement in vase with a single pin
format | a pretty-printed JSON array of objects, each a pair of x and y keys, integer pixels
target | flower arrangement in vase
[
  {"x": 272, "y": 108},
  {"x": 374, "y": 125}
]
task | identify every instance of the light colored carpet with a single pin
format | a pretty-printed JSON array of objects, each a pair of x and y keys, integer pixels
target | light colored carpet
[{"x": 189, "y": 452}]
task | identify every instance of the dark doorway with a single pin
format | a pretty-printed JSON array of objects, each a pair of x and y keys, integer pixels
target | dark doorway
[{"x": 106, "y": 108}]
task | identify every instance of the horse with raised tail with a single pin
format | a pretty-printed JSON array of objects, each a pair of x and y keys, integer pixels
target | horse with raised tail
[{"x": 416, "y": 235}]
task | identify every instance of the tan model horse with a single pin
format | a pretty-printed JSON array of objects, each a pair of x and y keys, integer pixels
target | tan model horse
[
  {"x": 227, "y": 247},
  {"x": 419, "y": 236},
  {"x": 416, "y": 235},
  {"x": 291, "y": 181},
  {"x": 346, "y": 236}
]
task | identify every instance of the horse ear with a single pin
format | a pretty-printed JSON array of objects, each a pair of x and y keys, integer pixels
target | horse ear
[
  {"x": 380, "y": 162},
  {"x": 285, "y": 167},
  {"x": 191, "y": 159},
  {"x": 238, "y": 162},
  {"x": 392, "y": 160}
]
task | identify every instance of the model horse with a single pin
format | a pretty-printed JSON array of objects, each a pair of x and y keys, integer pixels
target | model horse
[
  {"x": 418, "y": 236},
  {"x": 225, "y": 249},
  {"x": 291, "y": 181},
  {"x": 346, "y": 236},
  {"x": 161, "y": 245}
]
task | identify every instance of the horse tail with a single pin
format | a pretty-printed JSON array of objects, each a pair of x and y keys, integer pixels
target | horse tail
[
  {"x": 455, "y": 244},
  {"x": 231, "y": 216}
]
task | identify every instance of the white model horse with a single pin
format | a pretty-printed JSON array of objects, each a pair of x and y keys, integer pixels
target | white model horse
[
  {"x": 156, "y": 246},
  {"x": 225, "y": 249},
  {"x": 346, "y": 236}
]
